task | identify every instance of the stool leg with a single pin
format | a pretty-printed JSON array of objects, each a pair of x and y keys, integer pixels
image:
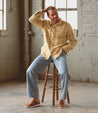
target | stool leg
[
  {"x": 46, "y": 76},
  {"x": 53, "y": 103},
  {"x": 56, "y": 84},
  {"x": 68, "y": 99}
]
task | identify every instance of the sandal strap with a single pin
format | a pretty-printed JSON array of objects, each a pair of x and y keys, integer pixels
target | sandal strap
[
  {"x": 33, "y": 103},
  {"x": 61, "y": 103}
]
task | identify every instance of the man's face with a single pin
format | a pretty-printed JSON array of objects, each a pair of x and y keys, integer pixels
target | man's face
[{"x": 53, "y": 15}]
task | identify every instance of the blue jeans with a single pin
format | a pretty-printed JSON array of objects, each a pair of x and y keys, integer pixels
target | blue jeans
[{"x": 38, "y": 65}]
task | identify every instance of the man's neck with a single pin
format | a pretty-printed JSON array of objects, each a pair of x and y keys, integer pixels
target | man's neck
[{"x": 53, "y": 22}]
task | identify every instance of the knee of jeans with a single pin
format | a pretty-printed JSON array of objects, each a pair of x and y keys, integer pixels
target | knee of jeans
[
  {"x": 30, "y": 72},
  {"x": 64, "y": 74}
]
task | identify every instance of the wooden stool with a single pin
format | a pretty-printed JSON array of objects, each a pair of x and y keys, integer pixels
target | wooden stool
[{"x": 55, "y": 86}]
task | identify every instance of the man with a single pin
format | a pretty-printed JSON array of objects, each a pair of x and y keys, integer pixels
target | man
[{"x": 59, "y": 39}]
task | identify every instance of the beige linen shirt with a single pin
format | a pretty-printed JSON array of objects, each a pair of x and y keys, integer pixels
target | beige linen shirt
[{"x": 56, "y": 37}]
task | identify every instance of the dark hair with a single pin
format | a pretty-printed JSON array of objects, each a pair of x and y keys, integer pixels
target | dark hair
[{"x": 50, "y": 8}]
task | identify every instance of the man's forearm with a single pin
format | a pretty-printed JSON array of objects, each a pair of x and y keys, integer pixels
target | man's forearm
[
  {"x": 35, "y": 19},
  {"x": 36, "y": 15}
]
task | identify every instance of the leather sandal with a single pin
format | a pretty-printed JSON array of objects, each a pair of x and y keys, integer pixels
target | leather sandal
[
  {"x": 33, "y": 104},
  {"x": 61, "y": 104}
]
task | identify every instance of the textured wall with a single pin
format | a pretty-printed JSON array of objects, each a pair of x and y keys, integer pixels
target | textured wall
[
  {"x": 83, "y": 61},
  {"x": 10, "y": 44}
]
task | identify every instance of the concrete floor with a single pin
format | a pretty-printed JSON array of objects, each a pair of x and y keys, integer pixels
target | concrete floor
[{"x": 83, "y": 96}]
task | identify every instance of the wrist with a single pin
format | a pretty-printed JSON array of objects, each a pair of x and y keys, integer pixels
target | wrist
[
  {"x": 43, "y": 10},
  {"x": 63, "y": 50}
]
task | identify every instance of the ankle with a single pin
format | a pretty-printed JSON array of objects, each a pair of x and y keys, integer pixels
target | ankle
[
  {"x": 36, "y": 99},
  {"x": 61, "y": 99}
]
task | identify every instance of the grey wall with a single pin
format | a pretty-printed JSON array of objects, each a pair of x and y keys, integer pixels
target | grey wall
[
  {"x": 10, "y": 44},
  {"x": 82, "y": 60}
]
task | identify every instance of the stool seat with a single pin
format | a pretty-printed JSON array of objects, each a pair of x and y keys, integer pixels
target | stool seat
[{"x": 55, "y": 87}]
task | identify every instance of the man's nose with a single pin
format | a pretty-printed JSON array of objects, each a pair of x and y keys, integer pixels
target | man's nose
[{"x": 55, "y": 16}]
